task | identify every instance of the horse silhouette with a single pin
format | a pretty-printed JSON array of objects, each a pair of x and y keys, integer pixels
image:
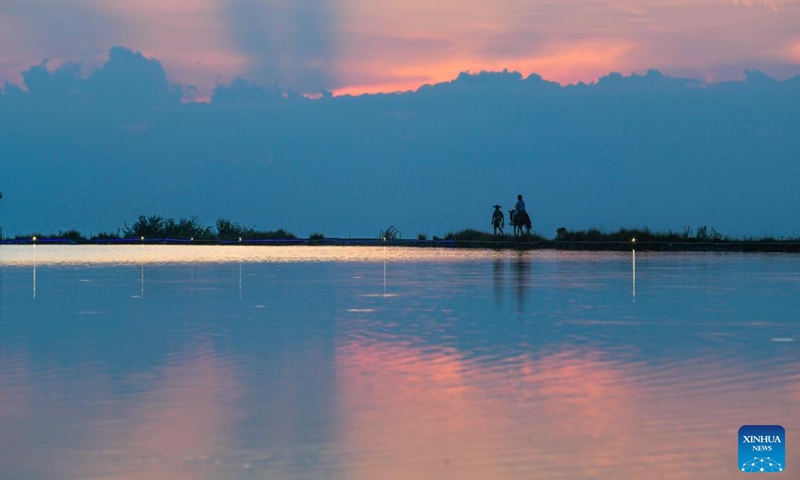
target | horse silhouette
[{"x": 520, "y": 220}]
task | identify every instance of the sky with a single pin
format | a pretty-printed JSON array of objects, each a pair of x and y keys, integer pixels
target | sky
[
  {"x": 357, "y": 46},
  {"x": 275, "y": 114}
]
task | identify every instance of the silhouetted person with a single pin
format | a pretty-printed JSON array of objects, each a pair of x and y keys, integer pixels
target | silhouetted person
[
  {"x": 498, "y": 220},
  {"x": 520, "y": 205},
  {"x": 519, "y": 217}
]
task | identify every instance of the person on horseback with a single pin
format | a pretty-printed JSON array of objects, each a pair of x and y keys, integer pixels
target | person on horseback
[
  {"x": 519, "y": 217},
  {"x": 498, "y": 220},
  {"x": 518, "y": 207}
]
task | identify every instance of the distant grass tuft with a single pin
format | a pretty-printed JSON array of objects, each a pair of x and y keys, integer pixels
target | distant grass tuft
[
  {"x": 703, "y": 234},
  {"x": 390, "y": 233}
]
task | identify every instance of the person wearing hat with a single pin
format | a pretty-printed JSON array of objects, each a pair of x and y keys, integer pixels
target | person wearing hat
[{"x": 498, "y": 220}]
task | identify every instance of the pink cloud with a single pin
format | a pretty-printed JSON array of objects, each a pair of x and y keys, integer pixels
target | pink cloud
[
  {"x": 384, "y": 45},
  {"x": 582, "y": 61},
  {"x": 794, "y": 52}
]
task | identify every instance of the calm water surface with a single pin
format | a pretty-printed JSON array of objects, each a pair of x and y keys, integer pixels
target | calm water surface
[{"x": 165, "y": 362}]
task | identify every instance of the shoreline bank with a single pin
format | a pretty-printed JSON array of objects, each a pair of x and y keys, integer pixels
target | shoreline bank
[{"x": 510, "y": 243}]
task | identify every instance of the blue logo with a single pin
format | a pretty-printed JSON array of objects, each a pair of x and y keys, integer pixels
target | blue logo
[{"x": 762, "y": 448}]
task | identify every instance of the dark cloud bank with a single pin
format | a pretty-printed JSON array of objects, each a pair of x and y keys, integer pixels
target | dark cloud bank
[{"x": 644, "y": 150}]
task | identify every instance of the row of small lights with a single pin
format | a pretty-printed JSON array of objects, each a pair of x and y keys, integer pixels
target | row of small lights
[
  {"x": 633, "y": 240},
  {"x": 191, "y": 239},
  {"x": 142, "y": 239}
]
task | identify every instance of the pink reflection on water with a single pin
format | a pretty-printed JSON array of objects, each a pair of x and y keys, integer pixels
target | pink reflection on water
[
  {"x": 73, "y": 423},
  {"x": 15, "y": 396},
  {"x": 409, "y": 411},
  {"x": 180, "y": 427}
]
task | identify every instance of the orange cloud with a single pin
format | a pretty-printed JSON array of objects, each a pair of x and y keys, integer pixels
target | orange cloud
[
  {"x": 401, "y": 47},
  {"x": 794, "y": 52},
  {"x": 383, "y": 45},
  {"x": 581, "y": 61},
  {"x": 567, "y": 42},
  {"x": 774, "y": 5},
  {"x": 565, "y": 63}
]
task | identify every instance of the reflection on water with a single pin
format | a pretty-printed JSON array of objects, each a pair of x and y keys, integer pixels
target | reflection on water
[
  {"x": 34, "y": 271},
  {"x": 633, "y": 268},
  {"x": 327, "y": 362},
  {"x": 521, "y": 279},
  {"x": 498, "y": 277},
  {"x": 570, "y": 413},
  {"x": 24, "y": 255}
]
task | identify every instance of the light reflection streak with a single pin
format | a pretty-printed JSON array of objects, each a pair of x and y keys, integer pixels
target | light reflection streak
[
  {"x": 141, "y": 268},
  {"x": 34, "y": 270},
  {"x": 521, "y": 279},
  {"x": 498, "y": 278},
  {"x": 634, "y": 273},
  {"x": 384, "y": 272}
]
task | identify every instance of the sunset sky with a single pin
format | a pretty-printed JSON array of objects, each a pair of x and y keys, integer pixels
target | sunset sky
[
  {"x": 355, "y": 46},
  {"x": 699, "y": 123}
]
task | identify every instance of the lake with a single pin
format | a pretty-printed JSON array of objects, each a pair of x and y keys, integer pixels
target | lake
[{"x": 302, "y": 362}]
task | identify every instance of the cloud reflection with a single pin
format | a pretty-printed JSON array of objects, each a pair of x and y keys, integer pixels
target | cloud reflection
[
  {"x": 171, "y": 424},
  {"x": 180, "y": 427},
  {"x": 572, "y": 413}
]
